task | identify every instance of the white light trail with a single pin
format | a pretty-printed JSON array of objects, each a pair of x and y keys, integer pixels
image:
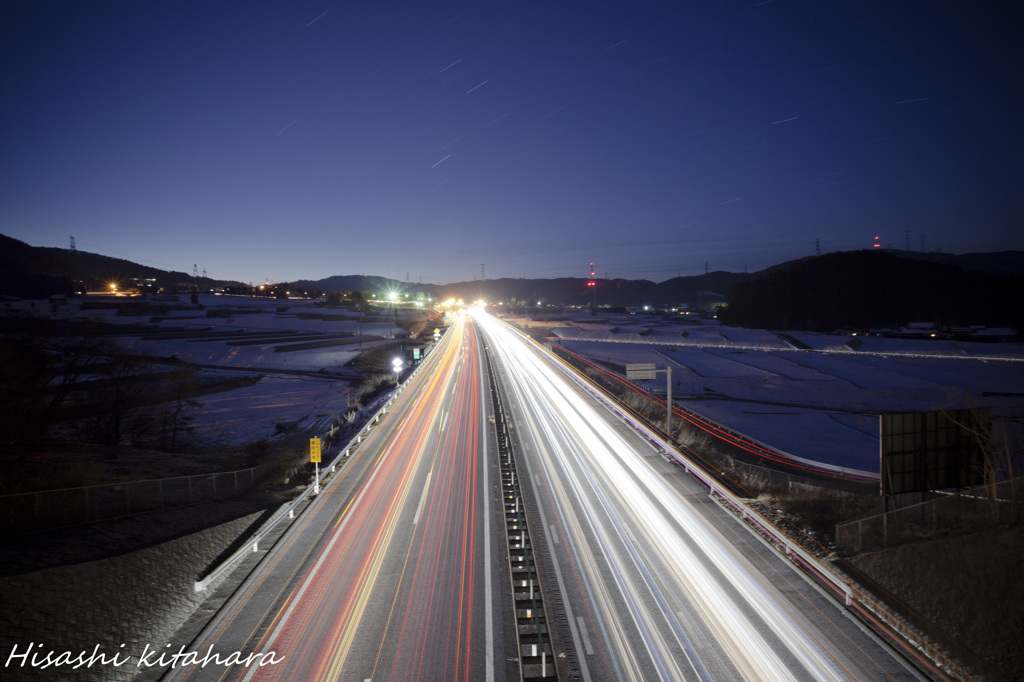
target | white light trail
[{"x": 637, "y": 542}]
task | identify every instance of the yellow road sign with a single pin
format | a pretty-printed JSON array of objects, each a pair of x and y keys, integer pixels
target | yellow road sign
[{"x": 314, "y": 449}]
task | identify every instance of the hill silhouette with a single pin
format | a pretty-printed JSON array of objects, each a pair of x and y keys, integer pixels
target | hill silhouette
[
  {"x": 879, "y": 289},
  {"x": 38, "y": 272},
  {"x": 855, "y": 289}
]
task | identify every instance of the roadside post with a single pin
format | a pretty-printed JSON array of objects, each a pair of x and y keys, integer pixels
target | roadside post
[{"x": 314, "y": 456}]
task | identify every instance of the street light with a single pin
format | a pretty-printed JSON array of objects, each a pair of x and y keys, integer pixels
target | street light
[
  {"x": 397, "y": 364},
  {"x": 392, "y": 299}
]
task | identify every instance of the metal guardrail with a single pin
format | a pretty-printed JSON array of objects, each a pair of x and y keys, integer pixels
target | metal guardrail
[{"x": 536, "y": 633}]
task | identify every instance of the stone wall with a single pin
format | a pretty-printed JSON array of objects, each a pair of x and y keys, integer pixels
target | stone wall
[{"x": 136, "y": 599}]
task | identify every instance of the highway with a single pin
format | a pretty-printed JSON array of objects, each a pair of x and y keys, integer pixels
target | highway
[
  {"x": 654, "y": 580},
  {"x": 394, "y": 572},
  {"x": 400, "y": 569}
]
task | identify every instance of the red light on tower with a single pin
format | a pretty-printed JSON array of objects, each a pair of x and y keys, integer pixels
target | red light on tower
[
  {"x": 877, "y": 245},
  {"x": 592, "y": 285}
]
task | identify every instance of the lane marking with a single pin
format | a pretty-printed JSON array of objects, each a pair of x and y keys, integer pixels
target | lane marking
[
  {"x": 585, "y": 636},
  {"x": 423, "y": 499}
]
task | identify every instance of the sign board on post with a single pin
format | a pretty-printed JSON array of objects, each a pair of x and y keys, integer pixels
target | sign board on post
[
  {"x": 645, "y": 371},
  {"x": 314, "y": 450},
  {"x": 640, "y": 371},
  {"x": 926, "y": 451}
]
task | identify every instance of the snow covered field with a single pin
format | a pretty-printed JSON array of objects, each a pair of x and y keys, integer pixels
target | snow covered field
[
  {"x": 240, "y": 415},
  {"x": 821, "y": 402}
]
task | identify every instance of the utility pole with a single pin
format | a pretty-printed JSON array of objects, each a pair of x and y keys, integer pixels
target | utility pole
[{"x": 703, "y": 285}]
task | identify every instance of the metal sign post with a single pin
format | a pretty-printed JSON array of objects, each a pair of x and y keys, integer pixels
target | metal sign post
[
  {"x": 645, "y": 371},
  {"x": 314, "y": 456}
]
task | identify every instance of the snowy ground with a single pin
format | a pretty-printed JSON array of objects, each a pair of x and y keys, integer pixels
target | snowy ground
[
  {"x": 821, "y": 404},
  {"x": 244, "y": 414},
  {"x": 239, "y": 416}
]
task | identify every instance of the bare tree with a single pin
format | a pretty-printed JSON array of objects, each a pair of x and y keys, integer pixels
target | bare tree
[
  {"x": 37, "y": 374},
  {"x": 113, "y": 396}
]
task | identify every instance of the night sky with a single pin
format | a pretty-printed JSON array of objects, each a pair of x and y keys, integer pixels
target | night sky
[{"x": 298, "y": 140}]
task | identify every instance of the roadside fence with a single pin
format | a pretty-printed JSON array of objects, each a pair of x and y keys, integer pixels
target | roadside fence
[
  {"x": 982, "y": 507},
  {"x": 23, "y": 513}
]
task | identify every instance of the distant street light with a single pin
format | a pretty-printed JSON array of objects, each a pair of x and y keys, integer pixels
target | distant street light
[{"x": 392, "y": 298}]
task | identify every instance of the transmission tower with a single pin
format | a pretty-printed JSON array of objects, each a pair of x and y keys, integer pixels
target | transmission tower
[
  {"x": 73, "y": 247},
  {"x": 195, "y": 270},
  {"x": 592, "y": 285}
]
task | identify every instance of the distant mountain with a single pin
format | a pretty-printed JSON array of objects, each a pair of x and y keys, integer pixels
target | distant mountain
[
  {"x": 37, "y": 272},
  {"x": 372, "y": 283},
  {"x": 882, "y": 289},
  {"x": 699, "y": 289},
  {"x": 678, "y": 291},
  {"x": 694, "y": 291},
  {"x": 1006, "y": 263},
  {"x": 824, "y": 292}
]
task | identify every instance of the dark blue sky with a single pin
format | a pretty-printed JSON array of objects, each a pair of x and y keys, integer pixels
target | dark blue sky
[{"x": 289, "y": 140}]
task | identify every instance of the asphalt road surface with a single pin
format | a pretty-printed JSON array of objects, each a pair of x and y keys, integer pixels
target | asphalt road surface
[{"x": 393, "y": 573}]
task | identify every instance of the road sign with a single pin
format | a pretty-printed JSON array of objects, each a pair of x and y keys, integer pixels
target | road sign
[
  {"x": 926, "y": 451},
  {"x": 314, "y": 450},
  {"x": 640, "y": 371},
  {"x": 645, "y": 371}
]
